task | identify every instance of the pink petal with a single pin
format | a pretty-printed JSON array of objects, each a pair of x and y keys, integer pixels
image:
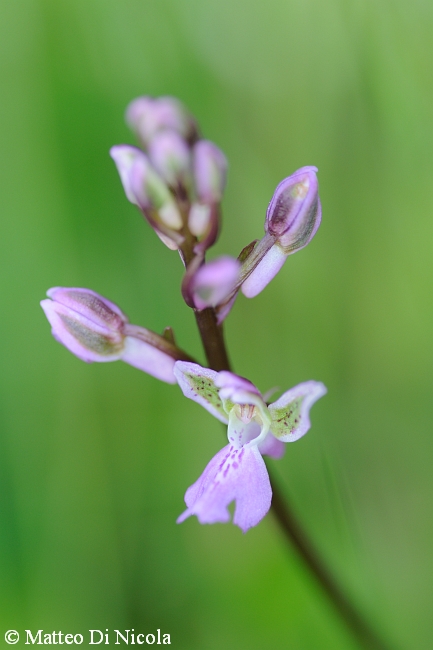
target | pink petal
[
  {"x": 238, "y": 475},
  {"x": 198, "y": 384},
  {"x": 272, "y": 447},
  {"x": 290, "y": 413}
]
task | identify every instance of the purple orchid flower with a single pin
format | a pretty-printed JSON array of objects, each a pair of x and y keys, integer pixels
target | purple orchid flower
[
  {"x": 95, "y": 329},
  {"x": 238, "y": 472}
]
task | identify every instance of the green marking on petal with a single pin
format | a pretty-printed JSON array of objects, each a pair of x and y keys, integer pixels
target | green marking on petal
[
  {"x": 286, "y": 419},
  {"x": 103, "y": 345},
  {"x": 206, "y": 389},
  {"x": 227, "y": 405}
]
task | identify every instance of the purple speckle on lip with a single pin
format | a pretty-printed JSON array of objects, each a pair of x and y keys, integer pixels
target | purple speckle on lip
[
  {"x": 235, "y": 465},
  {"x": 226, "y": 470}
]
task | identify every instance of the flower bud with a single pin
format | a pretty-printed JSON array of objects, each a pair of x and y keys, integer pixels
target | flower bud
[
  {"x": 213, "y": 282},
  {"x": 199, "y": 218},
  {"x": 153, "y": 194},
  {"x": 170, "y": 156},
  {"x": 210, "y": 171},
  {"x": 90, "y": 326},
  {"x": 124, "y": 157},
  {"x": 292, "y": 219},
  {"x": 146, "y": 189},
  {"x": 146, "y": 116},
  {"x": 95, "y": 329},
  {"x": 294, "y": 213}
]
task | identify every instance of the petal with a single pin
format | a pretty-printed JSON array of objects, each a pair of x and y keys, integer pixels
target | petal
[
  {"x": 148, "y": 358},
  {"x": 290, "y": 413},
  {"x": 228, "y": 380},
  {"x": 240, "y": 433},
  {"x": 238, "y": 475},
  {"x": 264, "y": 272},
  {"x": 236, "y": 389},
  {"x": 198, "y": 384},
  {"x": 272, "y": 447}
]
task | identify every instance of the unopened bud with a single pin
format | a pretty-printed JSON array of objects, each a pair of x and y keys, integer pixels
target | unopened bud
[
  {"x": 294, "y": 213},
  {"x": 147, "y": 115},
  {"x": 90, "y": 326},
  {"x": 95, "y": 329},
  {"x": 152, "y": 193},
  {"x": 124, "y": 157},
  {"x": 170, "y": 156},
  {"x": 292, "y": 219},
  {"x": 199, "y": 218},
  {"x": 210, "y": 171},
  {"x": 145, "y": 188},
  {"x": 213, "y": 282}
]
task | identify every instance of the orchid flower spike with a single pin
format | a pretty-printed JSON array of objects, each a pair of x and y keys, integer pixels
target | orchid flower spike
[
  {"x": 95, "y": 329},
  {"x": 238, "y": 472},
  {"x": 292, "y": 219}
]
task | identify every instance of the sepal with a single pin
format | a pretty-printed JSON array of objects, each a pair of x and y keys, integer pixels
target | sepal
[
  {"x": 290, "y": 414},
  {"x": 198, "y": 384}
]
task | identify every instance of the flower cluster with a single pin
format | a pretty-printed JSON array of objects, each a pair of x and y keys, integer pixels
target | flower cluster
[{"x": 177, "y": 181}]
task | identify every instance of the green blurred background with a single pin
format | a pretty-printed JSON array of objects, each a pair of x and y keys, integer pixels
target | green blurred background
[{"x": 95, "y": 459}]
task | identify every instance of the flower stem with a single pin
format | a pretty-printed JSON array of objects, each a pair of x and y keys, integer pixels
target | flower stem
[
  {"x": 216, "y": 353},
  {"x": 291, "y": 527}
]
